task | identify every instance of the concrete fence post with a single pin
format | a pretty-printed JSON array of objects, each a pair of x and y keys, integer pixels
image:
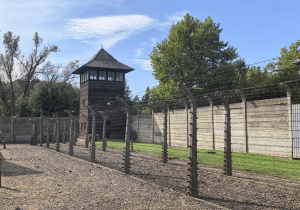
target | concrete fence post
[
  {"x": 75, "y": 120},
  {"x": 41, "y": 128},
  {"x": 71, "y": 143},
  {"x": 227, "y": 167},
  {"x": 0, "y": 171},
  {"x": 87, "y": 131},
  {"x": 64, "y": 132},
  {"x": 290, "y": 116},
  {"x": 165, "y": 130},
  {"x": 169, "y": 120},
  {"x": 93, "y": 147},
  {"x": 138, "y": 124},
  {"x": 212, "y": 121},
  {"x": 193, "y": 175},
  {"x": 48, "y": 132},
  {"x": 13, "y": 129},
  {"x": 104, "y": 140},
  {"x": 127, "y": 136},
  {"x": 186, "y": 106},
  {"x": 152, "y": 111},
  {"x": 244, "y": 102},
  {"x": 34, "y": 133},
  {"x": 57, "y": 131}
]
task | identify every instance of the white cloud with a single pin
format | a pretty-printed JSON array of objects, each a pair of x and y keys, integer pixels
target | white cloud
[
  {"x": 144, "y": 64},
  {"x": 110, "y": 29},
  {"x": 138, "y": 52}
]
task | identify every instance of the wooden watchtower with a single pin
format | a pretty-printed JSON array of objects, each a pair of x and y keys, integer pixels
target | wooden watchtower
[{"x": 102, "y": 79}]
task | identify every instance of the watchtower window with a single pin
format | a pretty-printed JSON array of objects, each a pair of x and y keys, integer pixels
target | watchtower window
[
  {"x": 120, "y": 76},
  {"x": 102, "y": 75},
  {"x": 93, "y": 75},
  {"x": 111, "y": 76}
]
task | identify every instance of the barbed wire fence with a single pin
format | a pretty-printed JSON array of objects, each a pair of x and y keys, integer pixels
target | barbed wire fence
[{"x": 217, "y": 127}]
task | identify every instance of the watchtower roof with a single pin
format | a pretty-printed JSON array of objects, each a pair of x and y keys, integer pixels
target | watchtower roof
[{"x": 103, "y": 60}]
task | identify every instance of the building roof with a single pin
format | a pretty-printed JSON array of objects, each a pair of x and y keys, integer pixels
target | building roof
[{"x": 103, "y": 60}]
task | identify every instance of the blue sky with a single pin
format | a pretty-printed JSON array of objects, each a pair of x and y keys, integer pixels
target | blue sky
[{"x": 129, "y": 29}]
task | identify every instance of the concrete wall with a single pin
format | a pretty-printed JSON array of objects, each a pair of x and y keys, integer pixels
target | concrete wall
[
  {"x": 267, "y": 126},
  {"x": 23, "y": 128}
]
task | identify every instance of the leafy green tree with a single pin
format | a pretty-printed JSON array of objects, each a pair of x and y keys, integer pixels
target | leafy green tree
[
  {"x": 192, "y": 52},
  {"x": 51, "y": 99},
  {"x": 283, "y": 69}
]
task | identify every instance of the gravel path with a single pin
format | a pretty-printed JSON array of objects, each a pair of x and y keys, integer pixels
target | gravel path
[
  {"x": 73, "y": 183},
  {"x": 39, "y": 178}
]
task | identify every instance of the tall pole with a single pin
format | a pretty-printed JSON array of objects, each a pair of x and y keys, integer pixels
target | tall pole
[
  {"x": 71, "y": 145},
  {"x": 64, "y": 132},
  {"x": 104, "y": 141},
  {"x": 289, "y": 103},
  {"x": 41, "y": 129},
  {"x": 193, "y": 175},
  {"x": 57, "y": 132},
  {"x": 212, "y": 120},
  {"x": 93, "y": 147},
  {"x": 244, "y": 102},
  {"x": 227, "y": 167},
  {"x": 169, "y": 114},
  {"x": 187, "y": 123},
  {"x": 48, "y": 132},
  {"x": 87, "y": 131},
  {"x": 165, "y": 130},
  {"x": 152, "y": 111},
  {"x": 127, "y": 136}
]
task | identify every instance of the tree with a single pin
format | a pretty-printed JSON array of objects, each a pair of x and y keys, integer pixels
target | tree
[
  {"x": 51, "y": 99},
  {"x": 283, "y": 69},
  {"x": 192, "y": 52},
  {"x": 8, "y": 71},
  {"x": 30, "y": 64},
  {"x": 20, "y": 72}
]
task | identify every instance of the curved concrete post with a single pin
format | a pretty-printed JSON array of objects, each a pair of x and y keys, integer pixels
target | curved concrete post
[
  {"x": 227, "y": 167},
  {"x": 87, "y": 131},
  {"x": 186, "y": 106},
  {"x": 289, "y": 103},
  {"x": 127, "y": 136},
  {"x": 71, "y": 140},
  {"x": 48, "y": 132},
  {"x": 193, "y": 175},
  {"x": 165, "y": 130},
  {"x": 57, "y": 132},
  {"x": 152, "y": 112},
  {"x": 13, "y": 130},
  {"x": 104, "y": 141},
  {"x": 169, "y": 119},
  {"x": 244, "y": 101},
  {"x": 212, "y": 121},
  {"x": 93, "y": 147},
  {"x": 41, "y": 128},
  {"x": 34, "y": 133}
]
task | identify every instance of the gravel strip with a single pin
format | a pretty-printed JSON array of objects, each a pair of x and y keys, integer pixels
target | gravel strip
[
  {"x": 38, "y": 178},
  {"x": 243, "y": 190}
]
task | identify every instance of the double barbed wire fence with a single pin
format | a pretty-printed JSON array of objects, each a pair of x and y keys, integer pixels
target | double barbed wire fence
[{"x": 217, "y": 127}]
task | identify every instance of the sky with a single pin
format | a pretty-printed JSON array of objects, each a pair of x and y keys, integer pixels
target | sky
[{"x": 129, "y": 29}]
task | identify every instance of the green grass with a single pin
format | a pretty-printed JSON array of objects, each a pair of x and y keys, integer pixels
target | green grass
[{"x": 250, "y": 162}]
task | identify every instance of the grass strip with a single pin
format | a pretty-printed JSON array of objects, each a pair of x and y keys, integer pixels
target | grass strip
[{"x": 249, "y": 162}]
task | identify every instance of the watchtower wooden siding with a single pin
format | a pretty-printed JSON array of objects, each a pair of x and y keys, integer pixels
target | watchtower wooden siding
[
  {"x": 102, "y": 79},
  {"x": 97, "y": 94}
]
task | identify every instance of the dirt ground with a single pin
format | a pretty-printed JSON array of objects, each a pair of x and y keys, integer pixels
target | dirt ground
[{"x": 35, "y": 177}]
